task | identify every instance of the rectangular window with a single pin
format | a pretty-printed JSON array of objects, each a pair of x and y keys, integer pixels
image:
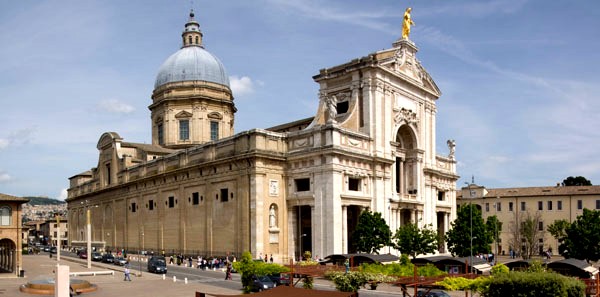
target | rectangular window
[
  {"x": 160, "y": 135},
  {"x": 195, "y": 198},
  {"x": 354, "y": 184},
  {"x": 541, "y": 226},
  {"x": 224, "y": 195},
  {"x": 523, "y": 206},
  {"x": 510, "y": 206},
  {"x": 487, "y": 207},
  {"x": 171, "y": 202},
  {"x": 441, "y": 196},
  {"x": 499, "y": 206},
  {"x": 302, "y": 184},
  {"x": 579, "y": 204},
  {"x": 151, "y": 204},
  {"x": 214, "y": 130},
  {"x": 540, "y": 205},
  {"x": 597, "y": 204},
  {"x": 559, "y": 205},
  {"x": 184, "y": 130},
  {"x": 132, "y": 206},
  {"x": 55, "y": 234},
  {"x": 55, "y": 226},
  {"x": 549, "y": 205}
]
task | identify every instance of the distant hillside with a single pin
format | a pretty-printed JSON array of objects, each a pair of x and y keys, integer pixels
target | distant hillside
[{"x": 43, "y": 201}]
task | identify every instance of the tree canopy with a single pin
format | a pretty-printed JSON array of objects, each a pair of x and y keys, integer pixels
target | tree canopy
[
  {"x": 582, "y": 239},
  {"x": 468, "y": 221},
  {"x": 493, "y": 227},
  {"x": 576, "y": 181},
  {"x": 410, "y": 240},
  {"x": 372, "y": 233},
  {"x": 558, "y": 229}
]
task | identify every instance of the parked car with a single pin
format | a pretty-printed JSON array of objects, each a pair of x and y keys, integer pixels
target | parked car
[
  {"x": 53, "y": 250},
  {"x": 280, "y": 278},
  {"x": 46, "y": 248},
  {"x": 83, "y": 255},
  {"x": 96, "y": 256},
  {"x": 108, "y": 258},
  {"x": 157, "y": 264},
  {"x": 261, "y": 283},
  {"x": 121, "y": 261},
  {"x": 432, "y": 293}
]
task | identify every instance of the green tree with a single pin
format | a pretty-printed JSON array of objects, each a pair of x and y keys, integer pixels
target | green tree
[
  {"x": 493, "y": 227},
  {"x": 582, "y": 239},
  {"x": 576, "y": 181},
  {"x": 468, "y": 221},
  {"x": 248, "y": 267},
  {"x": 372, "y": 233},
  {"x": 411, "y": 240},
  {"x": 558, "y": 229},
  {"x": 530, "y": 234}
]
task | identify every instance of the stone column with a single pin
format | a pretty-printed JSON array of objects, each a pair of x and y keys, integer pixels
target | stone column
[{"x": 344, "y": 229}]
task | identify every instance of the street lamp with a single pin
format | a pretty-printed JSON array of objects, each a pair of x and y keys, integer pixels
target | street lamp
[
  {"x": 471, "y": 225},
  {"x": 89, "y": 233}
]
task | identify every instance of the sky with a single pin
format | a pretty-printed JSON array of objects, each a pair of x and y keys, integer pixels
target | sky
[{"x": 519, "y": 79}]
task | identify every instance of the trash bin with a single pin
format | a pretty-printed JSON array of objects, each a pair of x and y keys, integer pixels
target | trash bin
[{"x": 21, "y": 273}]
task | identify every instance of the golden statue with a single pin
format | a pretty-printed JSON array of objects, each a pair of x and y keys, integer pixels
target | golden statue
[{"x": 406, "y": 23}]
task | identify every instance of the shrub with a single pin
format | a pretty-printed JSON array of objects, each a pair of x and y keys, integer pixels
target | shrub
[
  {"x": 248, "y": 267},
  {"x": 532, "y": 284},
  {"x": 499, "y": 268},
  {"x": 347, "y": 282}
]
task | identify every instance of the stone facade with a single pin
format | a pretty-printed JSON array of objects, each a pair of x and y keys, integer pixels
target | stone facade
[
  {"x": 292, "y": 188},
  {"x": 11, "y": 243}
]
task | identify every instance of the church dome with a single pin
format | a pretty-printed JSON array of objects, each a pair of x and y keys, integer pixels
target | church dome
[{"x": 192, "y": 62}]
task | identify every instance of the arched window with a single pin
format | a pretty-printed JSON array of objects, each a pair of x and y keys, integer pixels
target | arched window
[
  {"x": 189, "y": 39},
  {"x": 197, "y": 40},
  {"x": 5, "y": 216}
]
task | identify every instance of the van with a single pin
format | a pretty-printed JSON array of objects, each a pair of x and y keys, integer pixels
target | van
[{"x": 157, "y": 264}]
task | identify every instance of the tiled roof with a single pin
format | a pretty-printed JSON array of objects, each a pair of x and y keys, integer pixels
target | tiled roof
[
  {"x": 540, "y": 191},
  {"x": 5, "y": 197}
]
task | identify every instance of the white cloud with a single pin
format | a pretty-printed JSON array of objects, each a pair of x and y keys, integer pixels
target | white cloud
[
  {"x": 115, "y": 106},
  {"x": 4, "y": 177},
  {"x": 4, "y": 143},
  {"x": 241, "y": 85},
  {"x": 63, "y": 194}
]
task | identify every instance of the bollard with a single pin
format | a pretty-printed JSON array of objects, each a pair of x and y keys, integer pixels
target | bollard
[
  {"x": 163, "y": 276},
  {"x": 174, "y": 278},
  {"x": 185, "y": 281}
]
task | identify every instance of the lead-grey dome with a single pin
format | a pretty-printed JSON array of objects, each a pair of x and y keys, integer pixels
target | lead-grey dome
[{"x": 192, "y": 63}]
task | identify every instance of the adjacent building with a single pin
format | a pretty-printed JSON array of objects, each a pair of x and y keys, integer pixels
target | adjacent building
[
  {"x": 199, "y": 188},
  {"x": 11, "y": 237},
  {"x": 513, "y": 205}
]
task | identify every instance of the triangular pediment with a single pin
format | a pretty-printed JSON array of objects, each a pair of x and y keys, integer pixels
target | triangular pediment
[{"x": 183, "y": 114}]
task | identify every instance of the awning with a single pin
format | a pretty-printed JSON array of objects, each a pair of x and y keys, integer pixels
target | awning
[
  {"x": 483, "y": 267},
  {"x": 591, "y": 269}
]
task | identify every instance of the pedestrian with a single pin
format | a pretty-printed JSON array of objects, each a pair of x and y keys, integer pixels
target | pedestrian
[
  {"x": 190, "y": 261},
  {"x": 171, "y": 260},
  {"x": 127, "y": 278},
  {"x": 347, "y": 264},
  {"x": 271, "y": 259},
  {"x": 266, "y": 258},
  {"x": 228, "y": 272}
]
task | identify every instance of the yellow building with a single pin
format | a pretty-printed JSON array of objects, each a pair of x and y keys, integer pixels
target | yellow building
[
  {"x": 513, "y": 205},
  {"x": 11, "y": 237},
  {"x": 199, "y": 188}
]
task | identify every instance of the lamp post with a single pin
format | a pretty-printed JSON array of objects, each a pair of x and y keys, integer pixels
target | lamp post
[
  {"x": 58, "y": 237},
  {"x": 140, "y": 253},
  {"x": 89, "y": 233},
  {"x": 470, "y": 225}
]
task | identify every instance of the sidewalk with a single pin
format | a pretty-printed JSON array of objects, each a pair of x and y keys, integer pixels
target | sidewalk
[{"x": 41, "y": 267}]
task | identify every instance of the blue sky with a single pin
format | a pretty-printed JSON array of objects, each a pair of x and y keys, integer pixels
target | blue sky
[{"x": 519, "y": 79}]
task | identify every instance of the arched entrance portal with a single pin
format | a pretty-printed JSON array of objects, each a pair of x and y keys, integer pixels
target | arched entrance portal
[{"x": 8, "y": 256}]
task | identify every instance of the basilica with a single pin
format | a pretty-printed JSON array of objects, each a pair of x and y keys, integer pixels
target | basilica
[{"x": 201, "y": 189}]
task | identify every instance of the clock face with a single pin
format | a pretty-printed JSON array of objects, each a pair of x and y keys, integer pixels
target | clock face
[{"x": 473, "y": 193}]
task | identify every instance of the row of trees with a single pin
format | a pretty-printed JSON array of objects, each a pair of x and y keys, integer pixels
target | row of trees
[{"x": 372, "y": 234}]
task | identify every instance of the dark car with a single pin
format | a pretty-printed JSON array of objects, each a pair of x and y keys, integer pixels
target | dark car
[
  {"x": 96, "y": 256},
  {"x": 121, "y": 261},
  {"x": 261, "y": 283},
  {"x": 157, "y": 264},
  {"x": 432, "y": 293},
  {"x": 280, "y": 278},
  {"x": 108, "y": 258},
  {"x": 83, "y": 255},
  {"x": 53, "y": 250}
]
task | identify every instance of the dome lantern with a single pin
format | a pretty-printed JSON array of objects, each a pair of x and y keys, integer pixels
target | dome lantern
[{"x": 192, "y": 36}]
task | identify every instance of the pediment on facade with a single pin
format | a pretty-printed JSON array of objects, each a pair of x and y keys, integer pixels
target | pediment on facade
[
  {"x": 183, "y": 114},
  {"x": 215, "y": 115},
  {"x": 107, "y": 139}
]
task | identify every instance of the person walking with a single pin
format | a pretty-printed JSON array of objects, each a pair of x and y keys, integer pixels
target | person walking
[{"x": 127, "y": 277}]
